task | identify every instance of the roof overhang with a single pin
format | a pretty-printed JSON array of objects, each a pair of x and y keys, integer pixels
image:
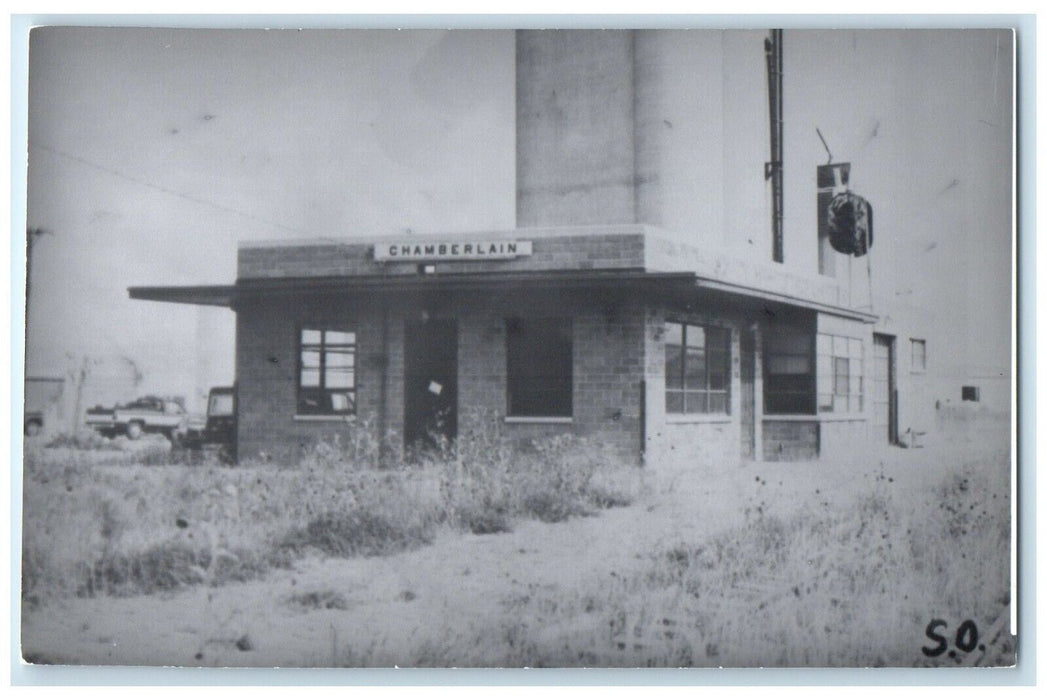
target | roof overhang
[
  {"x": 205, "y": 295},
  {"x": 754, "y": 293},
  {"x": 229, "y": 295},
  {"x": 682, "y": 283}
]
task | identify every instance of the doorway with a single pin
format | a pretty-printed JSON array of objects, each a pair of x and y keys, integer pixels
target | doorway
[
  {"x": 884, "y": 389},
  {"x": 430, "y": 383}
]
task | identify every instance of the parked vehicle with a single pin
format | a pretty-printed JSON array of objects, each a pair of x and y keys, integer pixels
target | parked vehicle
[
  {"x": 41, "y": 397},
  {"x": 149, "y": 414},
  {"x": 219, "y": 429},
  {"x": 34, "y": 423}
]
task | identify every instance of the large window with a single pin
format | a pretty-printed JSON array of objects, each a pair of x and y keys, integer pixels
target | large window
[
  {"x": 697, "y": 369},
  {"x": 539, "y": 367},
  {"x": 326, "y": 370},
  {"x": 788, "y": 370},
  {"x": 840, "y": 381}
]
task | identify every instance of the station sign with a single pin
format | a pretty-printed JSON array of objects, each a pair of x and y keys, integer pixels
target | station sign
[{"x": 419, "y": 251}]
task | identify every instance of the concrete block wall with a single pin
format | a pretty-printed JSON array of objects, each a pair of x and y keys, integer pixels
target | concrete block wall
[
  {"x": 693, "y": 444},
  {"x": 266, "y": 366},
  {"x": 598, "y": 248},
  {"x": 844, "y": 438},
  {"x": 618, "y": 343},
  {"x": 608, "y": 368},
  {"x": 791, "y": 440}
]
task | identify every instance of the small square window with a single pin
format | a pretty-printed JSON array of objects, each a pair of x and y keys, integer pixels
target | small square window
[
  {"x": 919, "y": 355},
  {"x": 970, "y": 393}
]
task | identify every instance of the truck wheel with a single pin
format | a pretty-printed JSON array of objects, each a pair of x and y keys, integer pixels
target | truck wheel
[{"x": 134, "y": 430}]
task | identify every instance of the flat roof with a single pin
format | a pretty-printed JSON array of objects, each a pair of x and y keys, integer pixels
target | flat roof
[
  {"x": 200, "y": 295},
  {"x": 637, "y": 280},
  {"x": 228, "y": 295}
]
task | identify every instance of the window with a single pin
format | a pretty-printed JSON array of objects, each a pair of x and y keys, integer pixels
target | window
[
  {"x": 789, "y": 370},
  {"x": 840, "y": 380},
  {"x": 970, "y": 393},
  {"x": 539, "y": 355},
  {"x": 326, "y": 370},
  {"x": 697, "y": 369},
  {"x": 221, "y": 405},
  {"x": 919, "y": 355}
]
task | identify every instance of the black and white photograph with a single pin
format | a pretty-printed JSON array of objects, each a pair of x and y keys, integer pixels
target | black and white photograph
[{"x": 514, "y": 348}]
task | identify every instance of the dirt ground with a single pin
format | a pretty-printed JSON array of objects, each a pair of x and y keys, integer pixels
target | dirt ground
[{"x": 378, "y": 611}]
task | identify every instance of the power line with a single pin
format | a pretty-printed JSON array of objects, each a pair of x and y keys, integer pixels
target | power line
[{"x": 160, "y": 188}]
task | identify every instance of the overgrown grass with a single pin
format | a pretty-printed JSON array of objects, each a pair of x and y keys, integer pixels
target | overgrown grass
[
  {"x": 823, "y": 587},
  {"x": 83, "y": 440},
  {"x": 487, "y": 483},
  {"x": 319, "y": 600},
  {"x": 95, "y": 523}
]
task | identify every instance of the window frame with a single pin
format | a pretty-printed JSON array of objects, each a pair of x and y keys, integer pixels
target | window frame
[
  {"x": 563, "y": 405},
  {"x": 913, "y": 344},
  {"x": 827, "y": 366},
  {"x": 809, "y": 379},
  {"x": 706, "y": 392},
  {"x": 322, "y": 348}
]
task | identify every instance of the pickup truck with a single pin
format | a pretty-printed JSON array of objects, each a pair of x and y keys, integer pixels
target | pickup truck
[
  {"x": 219, "y": 430},
  {"x": 149, "y": 414}
]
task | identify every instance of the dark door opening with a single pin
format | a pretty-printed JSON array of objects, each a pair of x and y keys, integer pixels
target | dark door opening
[
  {"x": 884, "y": 389},
  {"x": 748, "y": 402},
  {"x": 430, "y": 383}
]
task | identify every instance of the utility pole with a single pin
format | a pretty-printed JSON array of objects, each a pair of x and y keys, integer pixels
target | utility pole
[
  {"x": 773, "y": 168},
  {"x": 31, "y": 236}
]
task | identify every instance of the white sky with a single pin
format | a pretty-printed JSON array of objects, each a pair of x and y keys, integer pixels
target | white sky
[{"x": 152, "y": 152}]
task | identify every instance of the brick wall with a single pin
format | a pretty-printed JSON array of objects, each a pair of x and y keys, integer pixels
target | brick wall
[
  {"x": 617, "y": 342},
  {"x": 607, "y": 248},
  {"x": 266, "y": 365},
  {"x": 608, "y": 367},
  {"x": 790, "y": 440}
]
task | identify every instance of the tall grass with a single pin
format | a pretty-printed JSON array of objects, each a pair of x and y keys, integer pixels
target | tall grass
[
  {"x": 96, "y": 523},
  {"x": 823, "y": 587}
]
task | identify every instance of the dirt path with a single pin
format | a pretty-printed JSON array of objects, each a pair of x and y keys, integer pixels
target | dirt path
[{"x": 437, "y": 595}]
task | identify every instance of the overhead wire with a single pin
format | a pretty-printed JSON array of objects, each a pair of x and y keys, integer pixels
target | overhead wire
[{"x": 159, "y": 188}]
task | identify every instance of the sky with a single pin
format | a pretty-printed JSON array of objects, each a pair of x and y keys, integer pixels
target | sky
[{"x": 153, "y": 152}]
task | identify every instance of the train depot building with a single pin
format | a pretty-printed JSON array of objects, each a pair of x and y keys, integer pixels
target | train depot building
[
  {"x": 623, "y": 333},
  {"x": 624, "y": 306}
]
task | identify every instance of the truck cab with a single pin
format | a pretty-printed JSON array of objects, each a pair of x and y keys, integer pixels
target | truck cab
[
  {"x": 219, "y": 429},
  {"x": 221, "y": 416}
]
